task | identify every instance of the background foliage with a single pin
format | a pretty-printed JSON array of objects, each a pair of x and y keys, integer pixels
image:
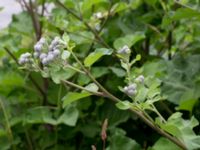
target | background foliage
[{"x": 41, "y": 113}]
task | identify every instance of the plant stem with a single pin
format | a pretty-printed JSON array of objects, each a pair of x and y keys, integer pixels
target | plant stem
[
  {"x": 157, "y": 112},
  {"x": 59, "y": 96},
  {"x": 82, "y": 88},
  {"x": 75, "y": 69},
  {"x": 28, "y": 139},
  {"x": 8, "y": 127}
]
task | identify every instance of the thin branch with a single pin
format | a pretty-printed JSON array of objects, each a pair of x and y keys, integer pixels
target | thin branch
[
  {"x": 36, "y": 23},
  {"x": 82, "y": 88}
]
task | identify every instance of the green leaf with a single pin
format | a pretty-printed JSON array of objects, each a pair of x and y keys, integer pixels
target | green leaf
[
  {"x": 186, "y": 13},
  {"x": 151, "y": 2},
  {"x": 128, "y": 40},
  {"x": 182, "y": 129},
  {"x": 164, "y": 144},
  {"x": 38, "y": 115},
  {"x": 66, "y": 38},
  {"x": 65, "y": 55},
  {"x": 70, "y": 116},
  {"x": 82, "y": 37},
  {"x": 119, "y": 7},
  {"x": 135, "y": 3},
  {"x": 119, "y": 141},
  {"x": 61, "y": 74},
  {"x": 73, "y": 96},
  {"x": 137, "y": 58},
  {"x": 118, "y": 71},
  {"x": 142, "y": 94},
  {"x": 87, "y": 4},
  {"x": 187, "y": 105},
  {"x": 123, "y": 105},
  {"x": 92, "y": 87},
  {"x": 96, "y": 55}
]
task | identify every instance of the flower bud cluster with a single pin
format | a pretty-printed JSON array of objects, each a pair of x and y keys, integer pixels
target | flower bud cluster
[
  {"x": 38, "y": 47},
  {"x": 140, "y": 79},
  {"x": 131, "y": 90},
  {"x": 124, "y": 50},
  {"x": 51, "y": 55},
  {"x": 25, "y": 59}
]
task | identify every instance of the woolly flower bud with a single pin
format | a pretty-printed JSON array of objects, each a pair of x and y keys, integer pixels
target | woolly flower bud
[
  {"x": 55, "y": 41},
  {"x": 42, "y": 41},
  {"x": 25, "y": 58},
  {"x": 56, "y": 52},
  {"x": 140, "y": 79},
  {"x": 131, "y": 92},
  {"x": 38, "y": 47},
  {"x": 50, "y": 57},
  {"x": 131, "y": 89},
  {"x": 45, "y": 61},
  {"x": 42, "y": 56},
  {"x": 21, "y": 61},
  {"x": 25, "y": 55},
  {"x": 124, "y": 50},
  {"x": 51, "y": 47}
]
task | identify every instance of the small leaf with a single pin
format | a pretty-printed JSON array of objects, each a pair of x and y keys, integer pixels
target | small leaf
[
  {"x": 65, "y": 55},
  {"x": 128, "y": 40},
  {"x": 137, "y": 58},
  {"x": 96, "y": 55},
  {"x": 92, "y": 87},
  {"x": 73, "y": 96},
  {"x": 123, "y": 105},
  {"x": 119, "y": 7},
  {"x": 65, "y": 38}
]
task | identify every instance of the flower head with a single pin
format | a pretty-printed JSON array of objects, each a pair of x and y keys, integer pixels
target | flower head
[{"x": 130, "y": 90}]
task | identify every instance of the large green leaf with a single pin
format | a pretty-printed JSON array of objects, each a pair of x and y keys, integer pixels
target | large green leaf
[
  {"x": 164, "y": 144},
  {"x": 73, "y": 96},
  {"x": 96, "y": 55},
  {"x": 186, "y": 13},
  {"x": 128, "y": 40},
  {"x": 182, "y": 77},
  {"x": 87, "y": 4}
]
